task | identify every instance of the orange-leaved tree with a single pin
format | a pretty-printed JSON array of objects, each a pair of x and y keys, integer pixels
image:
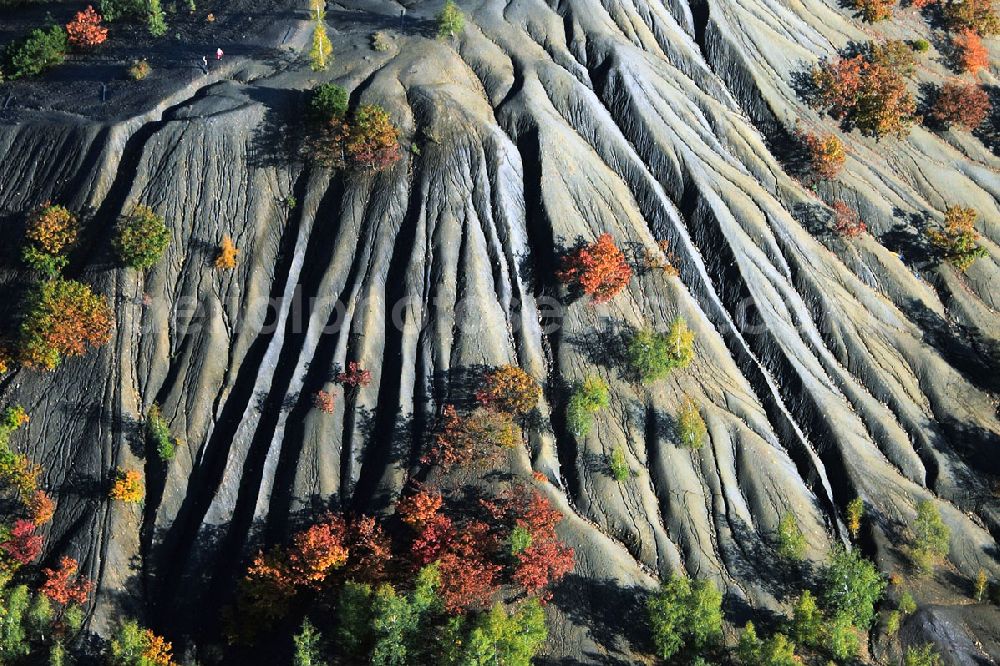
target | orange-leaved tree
[
  {"x": 51, "y": 233},
  {"x": 598, "y": 269},
  {"x": 970, "y": 53},
  {"x": 874, "y": 10},
  {"x": 62, "y": 318},
  {"x": 128, "y": 486},
  {"x": 85, "y": 30},
  {"x": 826, "y": 154},
  {"x": 226, "y": 258},
  {"x": 372, "y": 141},
  {"x": 63, "y": 585},
  {"x": 509, "y": 389}
]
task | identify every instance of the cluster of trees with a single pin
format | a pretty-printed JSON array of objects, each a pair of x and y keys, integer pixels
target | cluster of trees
[
  {"x": 367, "y": 140},
  {"x": 868, "y": 90}
]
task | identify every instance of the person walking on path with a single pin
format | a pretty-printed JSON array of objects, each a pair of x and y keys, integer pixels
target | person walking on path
[
  {"x": 204, "y": 64},
  {"x": 218, "y": 54}
]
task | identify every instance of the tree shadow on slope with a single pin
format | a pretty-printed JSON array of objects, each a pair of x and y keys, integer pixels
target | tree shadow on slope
[
  {"x": 976, "y": 357},
  {"x": 613, "y": 615},
  {"x": 908, "y": 238},
  {"x": 278, "y": 140},
  {"x": 457, "y": 386},
  {"x": 750, "y": 557},
  {"x": 604, "y": 346},
  {"x": 989, "y": 131},
  {"x": 346, "y": 20}
]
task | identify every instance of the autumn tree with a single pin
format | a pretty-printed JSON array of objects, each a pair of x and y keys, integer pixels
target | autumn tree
[
  {"x": 127, "y": 486},
  {"x": 22, "y": 545},
  {"x": 62, "y": 318},
  {"x": 226, "y": 258},
  {"x": 64, "y": 585},
  {"x": 133, "y": 645},
  {"x": 970, "y": 53},
  {"x": 826, "y": 154},
  {"x": 975, "y": 15},
  {"x": 479, "y": 436},
  {"x": 963, "y": 104},
  {"x": 509, "y": 389},
  {"x": 956, "y": 241},
  {"x": 52, "y": 232},
  {"x": 372, "y": 140},
  {"x": 85, "y": 30},
  {"x": 867, "y": 91},
  {"x": 846, "y": 221},
  {"x": 354, "y": 376},
  {"x": 874, "y": 10},
  {"x": 598, "y": 269},
  {"x": 420, "y": 507},
  {"x": 324, "y": 401}
]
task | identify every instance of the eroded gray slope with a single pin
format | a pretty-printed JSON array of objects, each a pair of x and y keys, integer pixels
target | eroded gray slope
[{"x": 822, "y": 368}]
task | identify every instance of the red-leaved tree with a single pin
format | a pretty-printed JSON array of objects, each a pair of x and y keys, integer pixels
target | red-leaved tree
[
  {"x": 599, "y": 269},
  {"x": 85, "y": 30},
  {"x": 354, "y": 376},
  {"x": 846, "y": 221},
  {"x": 964, "y": 104},
  {"x": 23, "y": 545}
]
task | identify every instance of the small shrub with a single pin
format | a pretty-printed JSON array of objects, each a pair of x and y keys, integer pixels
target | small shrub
[
  {"x": 588, "y": 398},
  {"x": 691, "y": 429},
  {"x": 969, "y": 52},
  {"x": 921, "y": 45},
  {"x": 618, "y": 465},
  {"x": 846, "y": 221},
  {"x": 973, "y": 15},
  {"x": 328, "y": 102},
  {"x": 52, "y": 232},
  {"x": 381, "y": 42},
  {"x": 141, "y": 237},
  {"x": 843, "y": 640},
  {"x": 807, "y": 621},
  {"x": 226, "y": 259},
  {"x": 42, "y": 50},
  {"x": 892, "y": 622},
  {"x": 963, "y": 104},
  {"x": 930, "y": 540},
  {"x": 598, "y": 270},
  {"x": 851, "y": 585},
  {"x": 128, "y": 486},
  {"x": 924, "y": 655},
  {"x": 132, "y": 645},
  {"x": 685, "y": 615},
  {"x": 664, "y": 261},
  {"x": 354, "y": 376},
  {"x": 159, "y": 435},
  {"x": 372, "y": 141},
  {"x": 907, "y": 605},
  {"x": 139, "y": 70},
  {"x": 156, "y": 21},
  {"x": 981, "y": 586},
  {"x": 509, "y": 389},
  {"x": 451, "y": 20},
  {"x": 873, "y": 11},
  {"x": 855, "y": 512},
  {"x": 324, "y": 402},
  {"x": 956, "y": 242},
  {"x": 85, "y": 30},
  {"x": 62, "y": 318},
  {"x": 826, "y": 154},
  {"x": 321, "y": 53},
  {"x": 651, "y": 355},
  {"x": 791, "y": 542}
]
